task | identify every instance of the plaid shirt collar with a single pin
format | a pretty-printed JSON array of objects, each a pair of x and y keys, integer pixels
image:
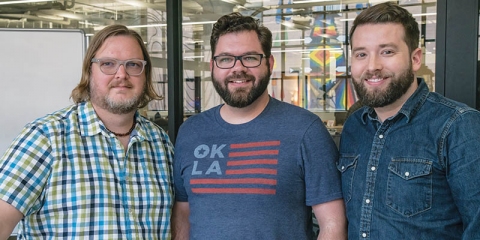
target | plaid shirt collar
[{"x": 90, "y": 123}]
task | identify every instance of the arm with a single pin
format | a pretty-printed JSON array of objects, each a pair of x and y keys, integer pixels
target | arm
[
  {"x": 462, "y": 154},
  {"x": 180, "y": 223},
  {"x": 8, "y": 219},
  {"x": 331, "y": 220}
]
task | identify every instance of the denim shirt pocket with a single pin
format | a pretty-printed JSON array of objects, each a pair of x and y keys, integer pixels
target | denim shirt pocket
[
  {"x": 346, "y": 165},
  {"x": 409, "y": 186}
]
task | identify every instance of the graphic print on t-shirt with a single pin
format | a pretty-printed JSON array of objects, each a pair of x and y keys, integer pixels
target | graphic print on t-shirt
[{"x": 240, "y": 168}]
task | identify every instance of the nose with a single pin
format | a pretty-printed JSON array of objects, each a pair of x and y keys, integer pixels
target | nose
[
  {"x": 374, "y": 63},
  {"x": 121, "y": 71},
  {"x": 238, "y": 65}
]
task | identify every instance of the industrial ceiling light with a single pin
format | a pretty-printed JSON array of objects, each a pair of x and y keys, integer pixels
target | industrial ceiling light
[
  {"x": 312, "y": 1},
  {"x": 23, "y": 1}
]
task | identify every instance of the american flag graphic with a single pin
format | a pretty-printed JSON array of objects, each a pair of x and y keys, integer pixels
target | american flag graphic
[{"x": 251, "y": 169}]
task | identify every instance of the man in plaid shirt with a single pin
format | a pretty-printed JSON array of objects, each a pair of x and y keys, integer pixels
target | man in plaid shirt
[{"x": 96, "y": 169}]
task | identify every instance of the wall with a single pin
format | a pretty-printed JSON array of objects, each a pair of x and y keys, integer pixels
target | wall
[{"x": 39, "y": 69}]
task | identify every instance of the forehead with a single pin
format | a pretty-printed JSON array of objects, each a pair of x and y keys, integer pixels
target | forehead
[
  {"x": 120, "y": 47},
  {"x": 238, "y": 43},
  {"x": 378, "y": 34}
]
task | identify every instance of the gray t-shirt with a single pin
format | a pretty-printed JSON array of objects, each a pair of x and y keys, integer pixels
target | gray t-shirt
[{"x": 256, "y": 180}]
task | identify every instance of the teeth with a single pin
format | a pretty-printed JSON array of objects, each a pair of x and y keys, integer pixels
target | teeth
[
  {"x": 374, "y": 79},
  {"x": 238, "y": 81}
]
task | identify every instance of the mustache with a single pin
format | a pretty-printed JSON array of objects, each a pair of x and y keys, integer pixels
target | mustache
[
  {"x": 118, "y": 83},
  {"x": 239, "y": 75},
  {"x": 378, "y": 74}
]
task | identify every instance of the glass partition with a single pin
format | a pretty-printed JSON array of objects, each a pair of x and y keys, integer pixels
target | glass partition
[{"x": 310, "y": 43}]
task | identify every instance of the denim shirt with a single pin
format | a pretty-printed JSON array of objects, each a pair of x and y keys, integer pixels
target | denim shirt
[{"x": 416, "y": 175}]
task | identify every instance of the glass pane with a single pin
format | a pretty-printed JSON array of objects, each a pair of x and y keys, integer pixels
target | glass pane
[{"x": 310, "y": 46}]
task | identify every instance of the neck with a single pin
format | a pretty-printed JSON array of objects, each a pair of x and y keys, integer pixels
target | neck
[
  {"x": 392, "y": 109},
  {"x": 123, "y": 134},
  {"x": 118, "y": 124},
  {"x": 246, "y": 114}
]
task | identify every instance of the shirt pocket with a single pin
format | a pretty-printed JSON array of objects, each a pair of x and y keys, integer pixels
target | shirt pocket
[
  {"x": 409, "y": 186},
  {"x": 347, "y": 165}
]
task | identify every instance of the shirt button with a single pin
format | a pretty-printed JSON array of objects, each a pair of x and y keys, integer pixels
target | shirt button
[
  {"x": 373, "y": 168},
  {"x": 364, "y": 235},
  {"x": 367, "y": 201},
  {"x": 407, "y": 174},
  {"x": 343, "y": 167},
  {"x": 380, "y": 136}
]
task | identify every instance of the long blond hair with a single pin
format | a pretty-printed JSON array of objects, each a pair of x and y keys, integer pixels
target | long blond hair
[{"x": 81, "y": 92}]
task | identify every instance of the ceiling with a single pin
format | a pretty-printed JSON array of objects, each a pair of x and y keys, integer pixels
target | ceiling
[
  {"x": 87, "y": 14},
  {"x": 197, "y": 15}
]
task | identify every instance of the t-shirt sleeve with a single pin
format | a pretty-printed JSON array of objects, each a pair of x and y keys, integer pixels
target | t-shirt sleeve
[
  {"x": 319, "y": 155},
  {"x": 180, "y": 192}
]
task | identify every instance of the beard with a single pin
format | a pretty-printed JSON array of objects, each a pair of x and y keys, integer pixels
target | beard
[
  {"x": 398, "y": 86},
  {"x": 241, "y": 97},
  {"x": 122, "y": 106}
]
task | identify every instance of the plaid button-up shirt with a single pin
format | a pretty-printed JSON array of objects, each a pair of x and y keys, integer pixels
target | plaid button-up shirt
[{"x": 71, "y": 178}]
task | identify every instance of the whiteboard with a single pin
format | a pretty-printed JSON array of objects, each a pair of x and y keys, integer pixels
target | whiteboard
[{"x": 38, "y": 70}]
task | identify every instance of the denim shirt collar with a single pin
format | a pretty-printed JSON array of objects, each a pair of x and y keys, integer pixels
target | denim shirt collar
[{"x": 409, "y": 108}]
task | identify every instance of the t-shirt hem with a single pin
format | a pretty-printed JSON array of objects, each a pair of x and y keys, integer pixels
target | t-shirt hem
[{"x": 324, "y": 199}]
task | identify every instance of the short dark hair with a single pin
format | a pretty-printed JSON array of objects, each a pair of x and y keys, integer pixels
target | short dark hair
[
  {"x": 236, "y": 22},
  {"x": 390, "y": 13}
]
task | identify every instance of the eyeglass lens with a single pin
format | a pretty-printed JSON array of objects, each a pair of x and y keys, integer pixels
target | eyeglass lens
[
  {"x": 227, "y": 61},
  {"x": 132, "y": 67}
]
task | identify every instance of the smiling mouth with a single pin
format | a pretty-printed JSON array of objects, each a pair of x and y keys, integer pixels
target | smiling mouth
[
  {"x": 239, "y": 81},
  {"x": 374, "y": 80}
]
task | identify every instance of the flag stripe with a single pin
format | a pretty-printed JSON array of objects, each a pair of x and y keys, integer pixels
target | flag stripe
[
  {"x": 252, "y": 171},
  {"x": 234, "y": 190},
  {"x": 255, "y": 144},
  {"x": 253, "y": 153},
  {"x": 234, "y": 181},
  {"x": 252, "y": 162}
]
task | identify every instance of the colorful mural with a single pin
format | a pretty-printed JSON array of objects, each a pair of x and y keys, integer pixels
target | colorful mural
[{"x": 329, "y": 87}]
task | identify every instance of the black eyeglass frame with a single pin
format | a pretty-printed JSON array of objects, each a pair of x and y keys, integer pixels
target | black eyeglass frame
[{"x": 239, "y": 58}]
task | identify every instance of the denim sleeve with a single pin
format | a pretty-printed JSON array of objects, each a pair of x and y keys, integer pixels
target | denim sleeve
[{"x": 461, "y": 155}]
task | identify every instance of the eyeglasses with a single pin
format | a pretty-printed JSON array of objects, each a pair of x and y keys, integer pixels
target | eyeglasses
[
  {"x": 110, "y": 66},
  {"x": 247, "y": 60}
]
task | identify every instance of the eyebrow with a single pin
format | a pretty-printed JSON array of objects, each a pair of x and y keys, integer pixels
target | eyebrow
[
  {"x": 385, "y": 45},
  {"x": 245, "y": 53},
  {"x": 391, "y": 45},
  {"x": 358, "y": 49}
]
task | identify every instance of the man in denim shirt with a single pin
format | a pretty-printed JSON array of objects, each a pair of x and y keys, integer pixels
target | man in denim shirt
[{"x": 410, "y": 158}]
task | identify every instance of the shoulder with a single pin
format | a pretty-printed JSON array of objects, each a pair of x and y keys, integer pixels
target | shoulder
[
  {"x": 152, "y": 130},
  {"x": 292, "y": 119},
  {"x": 56, "y": 119},
  {"x": 449, "y": 106},
  {"x": 449, "y": 117},
  {"x": 292, "y": 112},
  {"x": 200, "y": 119}
]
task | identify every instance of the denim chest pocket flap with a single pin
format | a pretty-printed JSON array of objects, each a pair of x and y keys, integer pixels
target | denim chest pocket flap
[
  {"x": 346, "y": 165},
  {"x": 409, "y": 186},
  {"x": 345, "y": 162},
  {"x": 410, "y": 168}
]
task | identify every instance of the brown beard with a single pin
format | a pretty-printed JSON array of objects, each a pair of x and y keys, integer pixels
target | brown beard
[
  {"x": 108, "y": 104},
  {"x": 241, "y": 97},
  {"x": 395, "y": 90}
]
